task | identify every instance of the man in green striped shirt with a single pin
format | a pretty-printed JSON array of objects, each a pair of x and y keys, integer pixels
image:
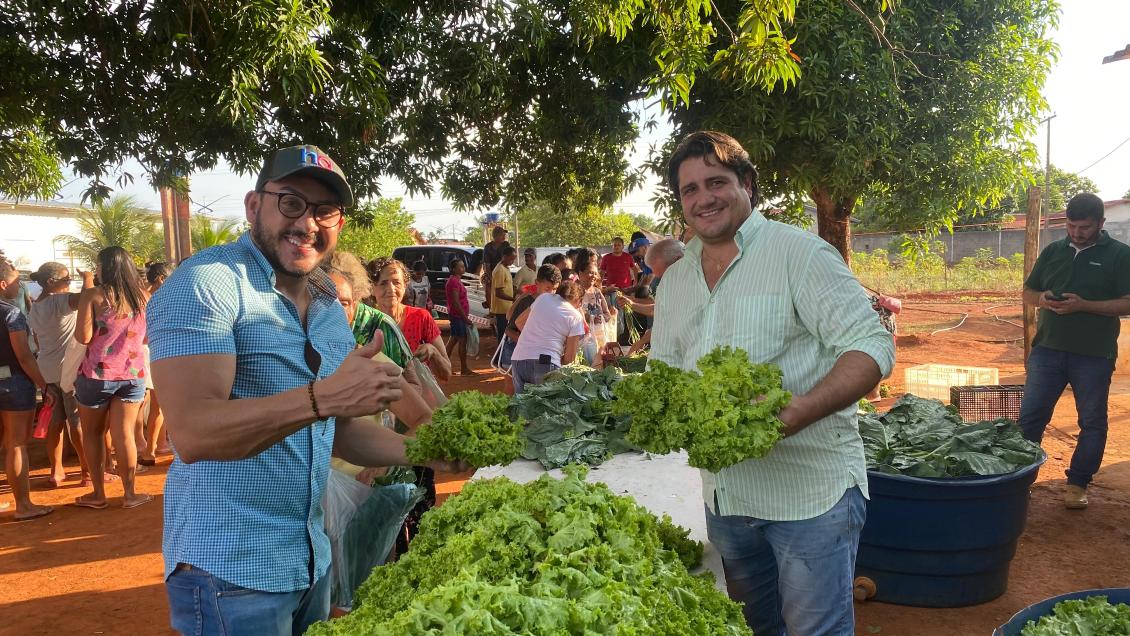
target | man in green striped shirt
[{"x": 787, "y": 525}]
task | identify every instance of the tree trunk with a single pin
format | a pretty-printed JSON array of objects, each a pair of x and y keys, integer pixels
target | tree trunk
[{"x": 833, "y": 220}]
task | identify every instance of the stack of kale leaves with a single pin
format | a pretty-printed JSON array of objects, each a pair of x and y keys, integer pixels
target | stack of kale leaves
[
  {"x": 569, "y": 417},
  {"x": 925, "y": 438}
]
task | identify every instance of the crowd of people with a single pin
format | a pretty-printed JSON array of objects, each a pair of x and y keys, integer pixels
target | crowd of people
[{"x": 85, "y": 351}]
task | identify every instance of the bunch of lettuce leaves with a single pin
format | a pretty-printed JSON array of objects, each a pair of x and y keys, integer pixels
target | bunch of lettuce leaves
[
  {"x": 723, "y": 414},
  {"x": 472, "y": 427},
  {"x": 1092, "y": 616},
  {"x": 925, "y": 438},
  {"x": 569, "y": 417},
  {"x": 548, "y": 557}
]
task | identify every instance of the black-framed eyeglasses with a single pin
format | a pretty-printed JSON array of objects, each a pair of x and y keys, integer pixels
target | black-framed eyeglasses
[{"x": 293, "y": 206}]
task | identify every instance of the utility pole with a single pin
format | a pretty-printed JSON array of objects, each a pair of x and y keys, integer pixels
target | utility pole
[{"x": 1048, "y": 167}]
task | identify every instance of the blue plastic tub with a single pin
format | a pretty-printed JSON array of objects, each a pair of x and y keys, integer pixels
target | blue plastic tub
[
  {"x": 942, "y": 542},
  {"x": 1043, "y": 608}
]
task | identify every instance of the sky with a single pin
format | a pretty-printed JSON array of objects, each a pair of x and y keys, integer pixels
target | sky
[{"x": 1090, "y": 100}]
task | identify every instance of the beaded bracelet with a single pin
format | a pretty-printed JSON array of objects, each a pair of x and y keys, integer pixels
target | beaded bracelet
[{"x": 313, "y": 400}]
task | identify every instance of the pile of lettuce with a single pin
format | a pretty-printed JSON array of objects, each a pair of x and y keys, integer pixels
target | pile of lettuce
[
  {"x": 723, "y": 414},
  {"x": 569, "y": 417},
  {"x": 1092, "y": 616},
  {"x": 472, "y": 427},
  {"x": 549, "y": 557},
  {"x": 925, "y": 438}
]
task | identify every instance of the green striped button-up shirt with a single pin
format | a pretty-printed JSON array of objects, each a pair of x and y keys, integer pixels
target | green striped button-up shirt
[{"x": 787, "y": 298}]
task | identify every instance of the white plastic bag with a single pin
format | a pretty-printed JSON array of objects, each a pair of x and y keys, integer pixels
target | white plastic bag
[
  {"x": 472, "y": 340},
  {"x": 343, "y": 496}
]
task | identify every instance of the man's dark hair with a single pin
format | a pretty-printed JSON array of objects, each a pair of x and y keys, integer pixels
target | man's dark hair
[
  {"x": 419, "y": 266},
  {"x": 498, "y": 231},
  {"x": 713, "y": 146},
  {"x": 556, "y": 258},
  {"x": 618, "y": 238},
  {"x": 1085, "y": 206},
  {"x": 549, "y": 274},
  {"x": 509, "y": 251},
  {"x": 571, "y": 253}
]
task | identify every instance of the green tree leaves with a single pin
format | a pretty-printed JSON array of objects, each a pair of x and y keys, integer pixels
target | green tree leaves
[
  {"x": 29, "y": 164},
  {"x": 375, "y": 228},
  {"x": 207, "y": 232},
  {"x": 539, "y": 224},
  {"x": 121, "y": 222},
  {"x": 926, "y": 109}
]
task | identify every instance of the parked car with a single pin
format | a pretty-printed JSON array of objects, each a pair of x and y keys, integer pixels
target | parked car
[{"x": 438, "y": 259}]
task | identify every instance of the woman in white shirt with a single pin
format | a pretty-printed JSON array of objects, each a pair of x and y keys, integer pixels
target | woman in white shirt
[{"x": 550, "y": 331}]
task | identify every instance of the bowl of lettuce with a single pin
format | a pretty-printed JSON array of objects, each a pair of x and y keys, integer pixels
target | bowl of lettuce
[{"x": 1087, "y": 612}]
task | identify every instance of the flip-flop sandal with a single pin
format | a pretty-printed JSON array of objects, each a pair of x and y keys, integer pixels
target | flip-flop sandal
[
  {"x": 146, "y": 462},
  {"x": 140, "y": 502},
  {"x": 41, "y": 513},
  {"x": 90, "y": 504}
]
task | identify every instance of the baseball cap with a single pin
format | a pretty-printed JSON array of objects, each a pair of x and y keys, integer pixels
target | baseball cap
[
  {"x": 637, "y": 244},
  {"x": 309, "y": 161},
  {"x": 530, "y": 250}
]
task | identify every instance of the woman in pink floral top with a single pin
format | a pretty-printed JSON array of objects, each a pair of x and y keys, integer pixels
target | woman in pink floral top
[{"x": 111, "y": 380}]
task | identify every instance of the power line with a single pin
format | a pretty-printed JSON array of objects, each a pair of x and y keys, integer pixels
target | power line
[{"x": 1104, "y": 156}]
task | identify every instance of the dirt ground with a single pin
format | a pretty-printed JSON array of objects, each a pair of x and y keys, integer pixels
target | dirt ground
[{"x": 82, "y": 571}]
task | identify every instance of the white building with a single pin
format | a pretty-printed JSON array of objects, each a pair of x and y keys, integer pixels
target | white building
[{"x": 29, "y": 232}]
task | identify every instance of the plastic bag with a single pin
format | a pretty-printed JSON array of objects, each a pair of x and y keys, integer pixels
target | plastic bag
[
  {"x": 472, "y": 340},
  {"x": 365, "y": 523},
  {"x": 43, "y": 417},
  {"x": 433, "y": 394}
]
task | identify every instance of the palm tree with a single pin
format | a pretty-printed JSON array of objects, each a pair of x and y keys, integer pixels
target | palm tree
[
  {"x": 119, "y": 221},
  {"x": 208, "y": 233}
]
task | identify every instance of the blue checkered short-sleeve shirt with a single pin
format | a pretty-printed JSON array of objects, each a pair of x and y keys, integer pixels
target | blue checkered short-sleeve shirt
[{"x": 255, "y": 522}]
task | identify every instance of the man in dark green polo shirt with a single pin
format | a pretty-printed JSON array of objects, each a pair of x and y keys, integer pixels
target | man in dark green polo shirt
[{"x": 1081, "y": 285}]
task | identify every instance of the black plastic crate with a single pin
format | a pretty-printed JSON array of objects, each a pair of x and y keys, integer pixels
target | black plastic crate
[{"x": 977, "y": 403}]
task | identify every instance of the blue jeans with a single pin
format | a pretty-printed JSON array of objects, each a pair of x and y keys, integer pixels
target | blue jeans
[
  {"x": 794, "y": 577},
  {"x": 1049, "y": 372},
  {"x": 203, "y": 605},
  {"x": 95, "y": 394},
  {"x": 17, "y": 393},
  {"x": 524, "y": 372}
]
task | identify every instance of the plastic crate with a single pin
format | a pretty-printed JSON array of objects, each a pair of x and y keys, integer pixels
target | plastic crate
[
  {"x": 977, "y": 403},
  {"x": 934, "y": 380}
]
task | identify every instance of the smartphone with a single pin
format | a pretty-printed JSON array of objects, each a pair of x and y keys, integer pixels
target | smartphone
[{"x": 1057, "y": 297}]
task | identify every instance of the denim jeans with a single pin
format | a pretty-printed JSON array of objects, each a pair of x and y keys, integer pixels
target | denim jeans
[
  {"x": 794, "y": 577},
  {"x": 524, "y": 372},
  {"x": 203, "y": 605},
  {"x": 1049, "y": 372}
]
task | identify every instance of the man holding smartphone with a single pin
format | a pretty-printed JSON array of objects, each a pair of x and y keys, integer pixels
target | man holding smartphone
[{"x": 1081, "y": 285}]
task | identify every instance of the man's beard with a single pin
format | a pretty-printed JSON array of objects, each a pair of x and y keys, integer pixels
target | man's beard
[{"x": 269, "y": 247}]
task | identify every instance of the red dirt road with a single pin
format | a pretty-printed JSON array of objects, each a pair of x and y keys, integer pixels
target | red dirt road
[{"x": 81, "y": 571}]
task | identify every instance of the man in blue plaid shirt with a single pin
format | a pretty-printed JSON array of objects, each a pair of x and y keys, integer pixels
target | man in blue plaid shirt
[{"x": 260, "y": 383}]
